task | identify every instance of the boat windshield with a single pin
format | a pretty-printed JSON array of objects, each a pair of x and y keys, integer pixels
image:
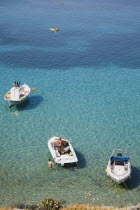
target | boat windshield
[{"x": 122, "y": 159}]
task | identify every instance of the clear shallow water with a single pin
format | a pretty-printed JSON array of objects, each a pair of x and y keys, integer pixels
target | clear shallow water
[{"x": 87, "y": 80}]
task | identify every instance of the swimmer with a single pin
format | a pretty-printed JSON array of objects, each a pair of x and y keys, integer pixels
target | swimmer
[{"x": 50, "y": 163}]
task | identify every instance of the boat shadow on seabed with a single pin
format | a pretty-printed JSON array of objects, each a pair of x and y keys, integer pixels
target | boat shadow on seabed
[{"x": 134, "y": 182}]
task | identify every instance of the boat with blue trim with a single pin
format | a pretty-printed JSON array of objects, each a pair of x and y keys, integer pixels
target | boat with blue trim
[{"x": 119, "y": 166}]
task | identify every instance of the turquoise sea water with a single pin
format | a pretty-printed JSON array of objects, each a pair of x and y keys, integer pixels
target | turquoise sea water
[{"x": 87, "y": 80}]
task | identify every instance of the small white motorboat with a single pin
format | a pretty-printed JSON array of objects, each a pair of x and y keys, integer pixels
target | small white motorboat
[
  {"x": 119, "y": 166},
  {"x": 17, "y": 94},
  {"x": 67, "y": 156},
  {"x": 54, "y": 29}
]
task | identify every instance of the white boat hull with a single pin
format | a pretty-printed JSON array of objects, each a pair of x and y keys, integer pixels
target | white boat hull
[
  {"x": 12, "y": 103},
  {"x": 62, "y": 159},
  {"x": 17, "y": 95},
  {"x": 119, "y": 167}
]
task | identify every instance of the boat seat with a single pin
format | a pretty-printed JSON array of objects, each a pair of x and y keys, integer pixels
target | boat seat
[
  {"x": 120, "y": 163},
  {"x": 55, "y": 144},
  {"x": 55, "y": 147}
]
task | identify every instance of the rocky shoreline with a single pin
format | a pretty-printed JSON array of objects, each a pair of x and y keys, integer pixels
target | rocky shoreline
[
  {"x": 78, "y": 207},
  {"x": 52, "y": 204}
]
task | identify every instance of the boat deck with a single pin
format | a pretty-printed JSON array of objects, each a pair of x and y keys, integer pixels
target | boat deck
[{"x": 120, "y": 170}]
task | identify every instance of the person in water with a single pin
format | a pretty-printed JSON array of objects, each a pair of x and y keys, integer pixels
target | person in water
[{"x": 50, "y": 163}]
